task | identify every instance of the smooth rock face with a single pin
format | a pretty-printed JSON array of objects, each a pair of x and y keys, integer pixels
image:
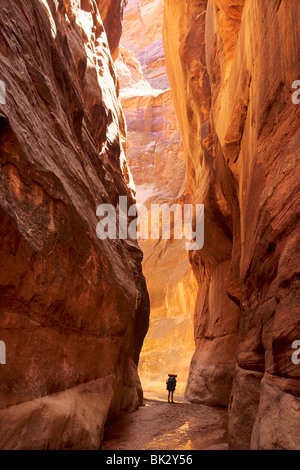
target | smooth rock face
[
  {"x": 73, "y": 309},
  {"x": 155, "y": 157},
  {"x": 231, "y": 65}
]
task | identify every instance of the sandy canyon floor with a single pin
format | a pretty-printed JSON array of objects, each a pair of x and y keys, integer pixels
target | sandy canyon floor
[{"x": 162, "y": 426}]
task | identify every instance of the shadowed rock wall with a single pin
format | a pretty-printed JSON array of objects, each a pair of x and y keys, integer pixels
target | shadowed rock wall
[{"x": 73, "y": 308}]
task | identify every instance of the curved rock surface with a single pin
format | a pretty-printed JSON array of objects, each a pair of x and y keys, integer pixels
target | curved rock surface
[
  {"x": 231, "y": 65},
  {"x": 74, "y": 309},
  {"x": 112, "y": 13}
]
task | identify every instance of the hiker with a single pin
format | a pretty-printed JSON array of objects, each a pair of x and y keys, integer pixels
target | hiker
[{"x": 171, "y": 385}]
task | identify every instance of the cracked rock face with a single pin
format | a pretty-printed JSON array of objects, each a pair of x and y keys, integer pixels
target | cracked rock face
[
  {"x": 231, "y": 64},
  {"x": 73, "y": 308}
]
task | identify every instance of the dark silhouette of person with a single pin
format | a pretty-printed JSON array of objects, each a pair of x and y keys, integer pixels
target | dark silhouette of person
[{"x": 171, "y": 385}]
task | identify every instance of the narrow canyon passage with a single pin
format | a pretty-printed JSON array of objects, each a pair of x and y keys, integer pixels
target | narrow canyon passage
[
  {"x": 155, "y": 102},
  {"x": 156, "y": 160},
  {"x": 155, "y": 157},
  {"x": 164, "y": 426}
]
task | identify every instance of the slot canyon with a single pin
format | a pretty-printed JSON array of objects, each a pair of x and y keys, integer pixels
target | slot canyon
[{"x": 161, "y": 102}]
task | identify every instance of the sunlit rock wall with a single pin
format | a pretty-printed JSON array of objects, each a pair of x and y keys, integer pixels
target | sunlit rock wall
[
  {"x": 231, "y": 65},
  {"x": 142, "y": 34},
  {"x": 73, "y": 308},
  {"x": 155, "y": 157}
]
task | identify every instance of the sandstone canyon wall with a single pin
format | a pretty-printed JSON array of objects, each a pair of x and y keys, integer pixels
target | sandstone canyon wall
[
  {"x": 73, "y": 309},
  {"x": 231, "y": 65},
  {"x": 155, "y": 157}
]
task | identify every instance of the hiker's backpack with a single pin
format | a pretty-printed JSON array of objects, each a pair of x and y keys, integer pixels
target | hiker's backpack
[{"x": 171, "y": 382}]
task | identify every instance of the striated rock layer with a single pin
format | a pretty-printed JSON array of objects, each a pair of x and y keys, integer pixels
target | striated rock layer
[
  {"x": 231, "y": 65},
  {"x": 155, "y": 157},
  {"x": 73, "y": 308}
]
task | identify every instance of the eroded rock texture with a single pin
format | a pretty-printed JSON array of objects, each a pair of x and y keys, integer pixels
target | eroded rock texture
[
  {"x": 155, "y": 157},
  {"x": 73, "y": 308},
  {"x": 142, "y": 34},
  {"x": 231, "y": 64}
]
